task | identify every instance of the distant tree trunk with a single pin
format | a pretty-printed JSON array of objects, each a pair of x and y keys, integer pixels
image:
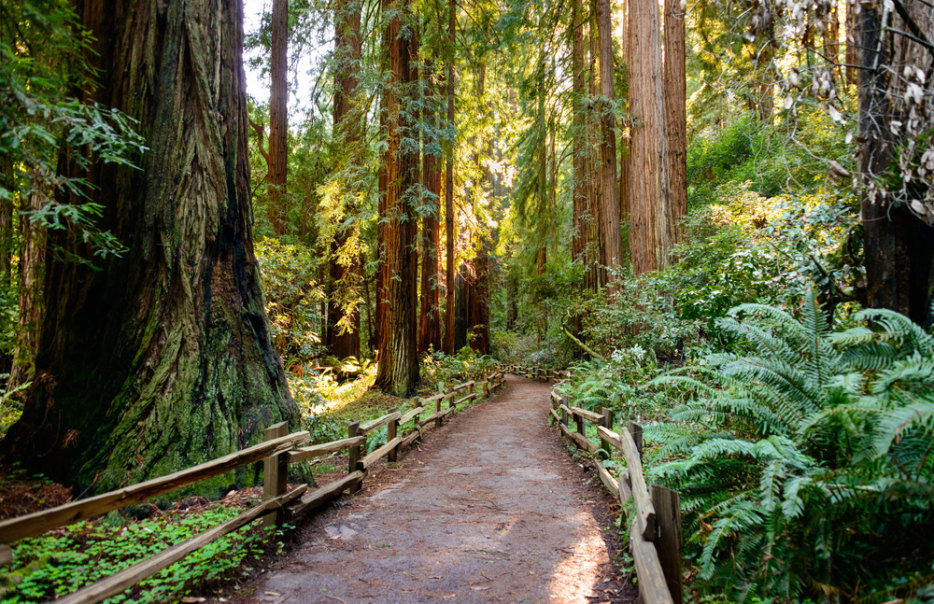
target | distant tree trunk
[
  {"x": 478, "y": 295},
  {"x": 277, "y": 211},
  {"x": 676, "y": 119},
  {"x": 852, "y": 51},
  {"x": 449, "y": 190},
  {"x": 648, "y": 192},
  {"x": 429, "y": 331},
  {"x": 31, "y": 285},
  {"x": 162, "y": 360},
  {"x": 592, "y": 164},
  {"x": 898, "y": 246},
  {"x": 397, "y": 370},
  {"x": 343, "y": 333},
  {"x": 579, "y": 241},
  {"x": 609, "y": 211}
]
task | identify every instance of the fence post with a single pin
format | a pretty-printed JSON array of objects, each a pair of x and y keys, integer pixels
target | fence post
[
  {"x": 391, "y": 431},
  {"x": 353, "y": 454},
  {"x": 438, "y": 402},
  {"x": 606, "y": 422},
  {"x": 564, "y": 414},
  {"x": 668, "y": 516},
  {"x": 275, "y": 474},
  {"x": 636, "y": 431}
]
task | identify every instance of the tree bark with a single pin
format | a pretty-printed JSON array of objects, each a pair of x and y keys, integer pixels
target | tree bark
[
  {"x": 898, "y": 245},
  {"x": 343, "y": 332},
  {"x": 429, "y": 331},
  {"x": 647, "y": 193},
  {"x": 277, "y": 210},
  {"x": 609, "y": 198},
  {"x": 397, "y": 369},
  {"x": 163, "y": 359},
  {"x": 449, "y": 190},
  {"x": 675, "y": 114}
]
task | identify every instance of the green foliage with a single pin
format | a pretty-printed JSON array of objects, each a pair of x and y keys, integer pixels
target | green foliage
[
  {"x": 806, "y": 466},
  {"x": 293, "y": 296},
  {"x": 41, "y": 61},
  {"x": 64, "y": 561}
]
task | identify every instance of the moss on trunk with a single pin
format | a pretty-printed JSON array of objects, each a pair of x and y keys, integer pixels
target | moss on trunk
[{"x": 163, "y": 359}]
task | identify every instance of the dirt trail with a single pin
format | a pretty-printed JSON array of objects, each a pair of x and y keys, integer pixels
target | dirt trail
[{"x": 491, "y": 508}]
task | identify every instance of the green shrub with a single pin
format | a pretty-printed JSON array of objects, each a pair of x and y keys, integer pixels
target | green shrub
[{"x": 807, "y": 469}]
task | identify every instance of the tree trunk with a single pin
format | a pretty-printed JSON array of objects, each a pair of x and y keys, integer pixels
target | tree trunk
[
  {"x": 397, "y": 370},
  {"x": 647, "y": 193},
  {"x": 31, "y": 285},
  {"x": 609, "y": 198},
  {"x": 676, "y": 119},
  {"x": 449, "y": 190},
  {"x": 898, "y": 246},
  {"x": 343, "y": 332},
  {"x": 429, "y": 331},
  {"x": 579, "y": 242},
  {"x": 592, "y": 165},
  {"x": 277, "y": 210},
  {"x": 163, "y": 359}
]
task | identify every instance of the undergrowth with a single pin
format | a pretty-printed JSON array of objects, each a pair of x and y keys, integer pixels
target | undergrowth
[{"x": 67, "y": 559}]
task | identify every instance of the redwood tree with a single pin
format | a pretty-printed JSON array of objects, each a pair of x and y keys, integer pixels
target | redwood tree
[
  {"x": 278, "y": 160},
  {"x": 648, "y": 185},
  {"x": 343, "y": 327},
  {"x": 397, "y": 371},
  {"x": 609, "y": 198},
  {"x": 675, "y": 114},
  {"x": 449, "y": 191},
  {"x": 429, "y": 323},
  {"x": 162, "y": 359}
]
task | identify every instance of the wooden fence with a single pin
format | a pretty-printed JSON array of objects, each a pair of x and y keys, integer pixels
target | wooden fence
[
  {"x": 535, "y": 372},
  {"x": 277, "y": 451},
  {"x": 655, "y": 530}
]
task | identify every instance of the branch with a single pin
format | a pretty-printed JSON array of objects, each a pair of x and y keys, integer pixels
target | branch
[
  {"x": 586, "y": 348},
  {"x": 918, "y": 36},
  {"x": 261, "y": 136}
]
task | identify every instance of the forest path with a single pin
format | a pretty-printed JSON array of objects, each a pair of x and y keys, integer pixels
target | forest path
[{"x": 491, "y": 508}]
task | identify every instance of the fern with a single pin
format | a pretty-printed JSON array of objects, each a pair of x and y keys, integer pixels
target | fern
[{"x": 794, "y": 458}]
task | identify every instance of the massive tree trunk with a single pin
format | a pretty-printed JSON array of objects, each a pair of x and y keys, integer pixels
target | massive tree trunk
[
  {"x": 675, "y": 115},
  {"x": 449, "y": 190},
  {"x": 898, "y": 245},
  {"x": 31, "y": 285},
  {"x": 163, "y": 359},
  {"x": 609, "y": 209},
  {"x": 648, "y": 192},
  {"x": 579, "y": 242},
  {"x": 397, "y": 371},
  {"x": 277, "y": 210},
  {"x": 343, "y": 332},
  {"x": 429, "y": 330},
  {"x": 598, "y": 277}
]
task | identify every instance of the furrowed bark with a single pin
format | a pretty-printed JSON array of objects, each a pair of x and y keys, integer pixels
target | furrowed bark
[{"x": 163, "y": 359}]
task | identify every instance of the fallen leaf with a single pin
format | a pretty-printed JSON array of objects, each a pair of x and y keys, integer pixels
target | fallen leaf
[{"x": 272, "y": 593}]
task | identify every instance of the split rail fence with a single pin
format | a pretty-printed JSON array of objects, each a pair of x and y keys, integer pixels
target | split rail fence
[
  {"x": 655, "y": 537},
  {"x": 277, "y": 452}
]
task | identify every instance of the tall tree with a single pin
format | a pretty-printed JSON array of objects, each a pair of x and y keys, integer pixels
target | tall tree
[
  {"x": 449, "y": 316},
  {"x": 609, "y": 198},
  {"x": 675, "y": 114},
  {"x": 162, "y": 359},
  {"x": 343, "y": 328},
  {"x": 397, "y": 370},
  {"x": 429, "y": 324},
  {"x": 648, "y": 192},
  {"x": 278, "y": 159}
]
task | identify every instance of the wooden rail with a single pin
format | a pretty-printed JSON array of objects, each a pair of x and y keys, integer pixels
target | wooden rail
[
  {"x": 535, "y": 372},
  {"x": 277, "y": 451},
  {"x": 655, "y": 525}
]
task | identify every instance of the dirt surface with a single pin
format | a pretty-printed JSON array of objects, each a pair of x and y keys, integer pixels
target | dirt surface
[{"x": 491, "y": 508}]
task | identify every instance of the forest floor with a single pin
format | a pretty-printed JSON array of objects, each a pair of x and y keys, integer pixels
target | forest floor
[{"x": 490, "y": 508}]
